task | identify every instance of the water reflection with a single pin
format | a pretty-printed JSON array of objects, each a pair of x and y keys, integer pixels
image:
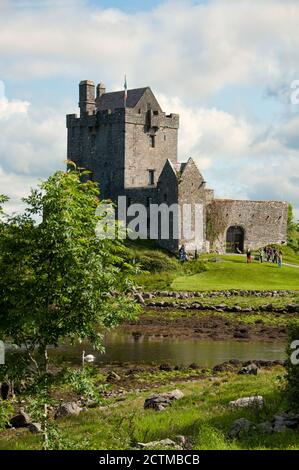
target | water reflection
[{"x": 122, "y": 347}]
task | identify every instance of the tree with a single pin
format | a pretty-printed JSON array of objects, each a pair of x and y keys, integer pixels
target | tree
[
  {"x": 57, "y": 277},
  {"x": 292, "y": 229}
]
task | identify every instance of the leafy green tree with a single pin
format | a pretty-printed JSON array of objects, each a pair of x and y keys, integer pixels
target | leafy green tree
[
  {"x": 292, "y": 229},
  {"x": 57, "y": 277}
]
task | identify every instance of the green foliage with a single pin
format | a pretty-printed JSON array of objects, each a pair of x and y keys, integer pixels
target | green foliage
[
  {"x": 15, "y": 369},
  {"x": 6, "y": 410},
  {"x": 292, "y": 366},
  {"x": 56, "y": 274},
  {"x": 292, "y": 230},
  {"x": 82, "y": 382}
]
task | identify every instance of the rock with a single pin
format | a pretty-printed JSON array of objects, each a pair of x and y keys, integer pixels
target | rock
[
  {"x": 239, "y": 427},
  {"x": 285, "y": 420},
  {"x": 194, "y": 366},
  {"x": 35, "y": 428},
  {"x": 186, "y": 442},
  {"x": 21, "y": 420},
  {"x": 163, "y": 444},
  {"x": 264, "y": 428},
  {"x": 139, "y": 298},
  {"x": 256, "y": 401},
  {"x": 160, "y": 401},
  {"x": 67, "y": 409},
  {"x": 113, "y": 377},
  {"x": 251, "y": 369},
  {"x": 166, "y": 367}
]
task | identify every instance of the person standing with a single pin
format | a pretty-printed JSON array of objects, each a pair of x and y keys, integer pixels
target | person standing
[
  {"x": 261, "y": 255},
  {"x": 182, "y": 254},
  {"x": 279, "y": 259},
  {"x": 248, "y": 255}
]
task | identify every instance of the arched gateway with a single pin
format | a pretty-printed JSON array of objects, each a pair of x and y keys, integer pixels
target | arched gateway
[{"x": 235, "y": 239}]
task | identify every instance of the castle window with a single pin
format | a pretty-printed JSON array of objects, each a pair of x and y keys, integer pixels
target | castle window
[
  {"x": 164, "y": 136},
  {"x": 153, "y": 141},
  {"x": 151, "y": 177},
  {"x": 129, "y": 201},
  {"x": 165, "y": 197}
]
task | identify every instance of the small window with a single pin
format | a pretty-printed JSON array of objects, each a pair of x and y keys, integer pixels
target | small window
[
  {"x": 129, "y": 201},
  {"x": 165, "y": 137},
  {"x": 151, "y": 177},
  {"x": 153, "y": 141},
  {"x": 165, "y": 197},
  {"x": 149, "y": 201}
]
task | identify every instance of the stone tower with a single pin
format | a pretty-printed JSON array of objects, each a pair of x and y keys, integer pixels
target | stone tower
[{"x": 124, "y": 145}]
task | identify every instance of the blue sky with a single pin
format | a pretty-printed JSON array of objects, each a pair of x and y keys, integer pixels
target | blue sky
[{"x": 226, "y": 66}]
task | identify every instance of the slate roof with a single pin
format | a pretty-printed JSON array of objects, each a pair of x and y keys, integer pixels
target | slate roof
[{"x": 115, "y": 99}]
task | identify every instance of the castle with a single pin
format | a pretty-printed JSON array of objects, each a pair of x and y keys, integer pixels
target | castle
[{"x": 130, "y": 147}]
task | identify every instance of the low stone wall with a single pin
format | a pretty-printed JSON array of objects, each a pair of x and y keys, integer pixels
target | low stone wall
[{"x": 220, "y": 293}]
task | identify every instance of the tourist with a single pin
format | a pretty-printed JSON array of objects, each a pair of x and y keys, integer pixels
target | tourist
[
  {"x": 248, "y": 255},
  {"x": 182, "y": 254},
  {"x": 261, "y": 255},
  {"x": 275, "y": 256},
  {"x": 268, "y": 254},
  {"x": 279, "y": 259}
]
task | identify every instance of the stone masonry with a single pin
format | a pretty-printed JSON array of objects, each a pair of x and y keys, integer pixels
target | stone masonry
[{"x": 130, "y": 148}]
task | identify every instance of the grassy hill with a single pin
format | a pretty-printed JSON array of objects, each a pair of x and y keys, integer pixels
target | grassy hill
[
  {"x": 162, "y": 271},
  {"x": 232, "y": 272}
]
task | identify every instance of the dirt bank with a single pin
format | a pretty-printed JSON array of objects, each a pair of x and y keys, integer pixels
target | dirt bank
[{"x": 210, "y": 326}]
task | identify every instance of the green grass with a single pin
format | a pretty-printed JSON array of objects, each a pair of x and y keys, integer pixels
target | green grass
[
  {"x": 266, "y": 318},
  {"x": 203, "y": 414},
  {"x": 232, "y": 272},
  {"x": 162, "y": 271}
]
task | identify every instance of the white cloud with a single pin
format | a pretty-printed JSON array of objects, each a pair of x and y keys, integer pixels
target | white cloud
[
  {"x": 199, "y": 48},
  {"x": 32, "y": 145},
  {"x": 188, "y": 52}
]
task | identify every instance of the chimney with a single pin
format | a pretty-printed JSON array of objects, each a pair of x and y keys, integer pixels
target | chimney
[
  {"x": 86, "y": 97},
  {"x": 101, "y": 89}
]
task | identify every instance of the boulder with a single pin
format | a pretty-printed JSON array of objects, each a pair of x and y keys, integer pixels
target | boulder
[
  {"x": 35, "y": 428},
  {"x": 67, "y": 409},
  {"x": 21, "y": 420},
  {"x": 239, "y": 427},
  {"x": 166, "y": 367},
  {"x": 264, "y": 428},
  {"x": 160, "y": 401},
  {"x": 285, "y": 420},
  {"x": 139, "y": 298},
  {"x": 113, "y": 377},
  {"x": 251, "y": 369},
  {"x": 255, "y": 401},
  {"x": 163, "y": 444}
]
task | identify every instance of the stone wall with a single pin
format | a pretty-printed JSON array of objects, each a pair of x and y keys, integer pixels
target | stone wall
[
  {"x": 140, "y": 155},
  {"x": 263, "y": 222}
]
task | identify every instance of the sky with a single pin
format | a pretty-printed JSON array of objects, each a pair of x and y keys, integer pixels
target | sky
[{"x": 228, "y": 67}]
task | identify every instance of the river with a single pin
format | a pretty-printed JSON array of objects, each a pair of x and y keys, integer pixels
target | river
[{"x": 121, "y": 347}]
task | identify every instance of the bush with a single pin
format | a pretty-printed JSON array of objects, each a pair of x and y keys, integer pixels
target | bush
[{"x": 292, "y": 367}]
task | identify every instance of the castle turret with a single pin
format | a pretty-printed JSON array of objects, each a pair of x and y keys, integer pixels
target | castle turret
[{"x": 86, "y": 97}]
